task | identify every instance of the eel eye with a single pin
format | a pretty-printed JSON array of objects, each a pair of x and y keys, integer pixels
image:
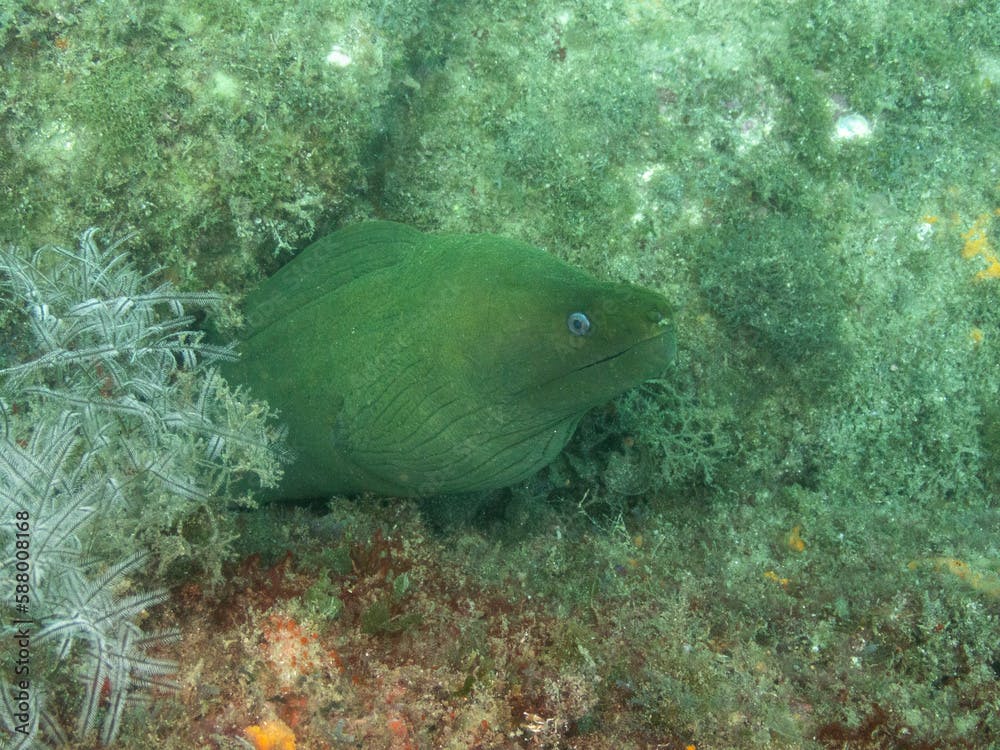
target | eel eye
[{"x": 578, "y": 324}]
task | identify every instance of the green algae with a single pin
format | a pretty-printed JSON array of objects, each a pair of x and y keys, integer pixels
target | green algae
[{"x": 829, "y": 377}]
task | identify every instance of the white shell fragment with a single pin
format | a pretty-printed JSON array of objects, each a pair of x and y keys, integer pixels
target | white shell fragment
[
  {"x": 338, "y": 57},
  {"x": 852, "y": 127}
]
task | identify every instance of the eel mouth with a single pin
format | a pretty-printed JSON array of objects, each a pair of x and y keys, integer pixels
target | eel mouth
[
  {"x": 643, "y": 347},
  {"x": 671, "y": 350},
  {"x": 658, "y": 349}
]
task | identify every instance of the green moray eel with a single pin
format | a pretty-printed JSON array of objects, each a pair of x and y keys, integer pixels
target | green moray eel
[{"x": 414, "y": 364}]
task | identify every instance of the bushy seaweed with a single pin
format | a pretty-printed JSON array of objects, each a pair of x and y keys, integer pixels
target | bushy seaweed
[{"x": 776, "y": 278}]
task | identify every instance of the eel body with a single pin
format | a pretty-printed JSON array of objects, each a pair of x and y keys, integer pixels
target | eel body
[{"x": 406, "y": 363}]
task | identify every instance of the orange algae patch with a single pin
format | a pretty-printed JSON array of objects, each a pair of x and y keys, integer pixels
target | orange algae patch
[
  {"x": 979, "y": 578},
  {"x": 271, "y": 735},
  {"x": 398, "y": 728},
  {"x": 772, "y": 576},
  {"x": 977, "y": 244},
  {"x": 794, "y": 540}
]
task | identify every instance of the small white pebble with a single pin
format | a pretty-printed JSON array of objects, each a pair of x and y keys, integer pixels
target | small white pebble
[
  {"x": 338, "y": 57},
  {"x": 648, "y": 174},
  {"x": 851, "y": 127}
]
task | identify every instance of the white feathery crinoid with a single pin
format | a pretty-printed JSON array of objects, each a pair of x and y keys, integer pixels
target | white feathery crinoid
[
  {"x": 73, "y": 619},
  {"x": 92, "y": 319},
  {"x": 114, "y": 429}
]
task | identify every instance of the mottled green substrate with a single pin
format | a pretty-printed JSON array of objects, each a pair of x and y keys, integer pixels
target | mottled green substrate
[
  {"x": 224, "y": 131},
  {"x": 789, "y": 542}
]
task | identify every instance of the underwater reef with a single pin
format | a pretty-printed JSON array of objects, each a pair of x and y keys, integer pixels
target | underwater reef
[{"x": 789, "y": 540}]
